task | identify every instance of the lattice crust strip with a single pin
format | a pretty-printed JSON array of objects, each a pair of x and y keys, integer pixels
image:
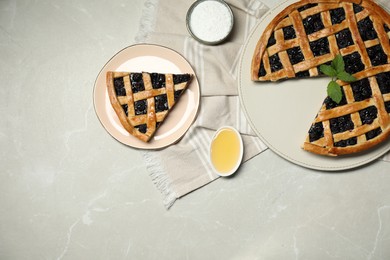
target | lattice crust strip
[
  {"x": 143, "y": 100},
  {"x": 310, "y": 33}
]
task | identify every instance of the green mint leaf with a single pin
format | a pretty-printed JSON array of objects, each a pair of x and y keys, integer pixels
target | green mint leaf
[
  {"x": 334, "y": 91},
  {"x": 345, "y": 76},
  {"x": 328, "y": 70},
  {"x": 338, "y": 63}
]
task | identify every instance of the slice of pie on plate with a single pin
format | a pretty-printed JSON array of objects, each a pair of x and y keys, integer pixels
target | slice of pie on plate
[
  {"x": 143, "y": 100},
  {"x": 310, "y": 33}
]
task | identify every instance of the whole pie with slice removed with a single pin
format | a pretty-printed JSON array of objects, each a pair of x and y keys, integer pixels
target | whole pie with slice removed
[
  {"x": 311, "y": 33},
  {"x": 143, "y": 100}
]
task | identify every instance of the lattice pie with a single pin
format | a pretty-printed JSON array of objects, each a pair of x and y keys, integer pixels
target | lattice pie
[
  {"x": 143, "y": 100},
  {"x": 310, "y": 33}
]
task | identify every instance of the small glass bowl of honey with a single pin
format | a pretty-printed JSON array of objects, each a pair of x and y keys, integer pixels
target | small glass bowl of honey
[{"x": 226, "y": 151}]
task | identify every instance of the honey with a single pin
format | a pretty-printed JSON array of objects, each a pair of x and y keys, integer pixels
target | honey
[{"x": 226, "y": 151}]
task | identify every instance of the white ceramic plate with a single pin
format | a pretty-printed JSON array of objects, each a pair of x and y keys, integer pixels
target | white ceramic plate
[
  {"x": 149, "y": 58},
  {"x": 281, "y": 113}
]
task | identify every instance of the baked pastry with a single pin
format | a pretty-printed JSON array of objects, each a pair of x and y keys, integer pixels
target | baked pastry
[
  {"x": 310, "y": 33},
  {"x": 359, "y": 122},
  {"x": 143, "y": 100}
]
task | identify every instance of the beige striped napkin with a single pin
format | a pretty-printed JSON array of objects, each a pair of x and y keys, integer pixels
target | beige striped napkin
[{"x": 184, "y": 167}]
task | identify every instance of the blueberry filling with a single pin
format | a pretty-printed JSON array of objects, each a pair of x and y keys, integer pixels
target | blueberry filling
[
  {"x": 119, "y": 87},
  {"x": 368, "y": 115},
  {"x": 305, "y": 7},
  {"x": 387, "y": 106},
  {"x": 295, "y": 55},
  {"x": 142, "y": 128},
  {"x": 271, "y": 40},
  {"x": 366, "y": 29},
  {"x": 341, "y": 124},
  {"x": 289, "y": 32},
  {"x": 177, "y": 94},
  {"x": 353, "y": 63},
  {"x": 316, "y": 132},
  {"x": 161, "y": 103},
  {"x": 158, "y": 80},
  {"x": 361, "y": 89},
  {"x": 303, "y": 74},
  {"x": 180, "y": 78},
  {"x": 373, "y": 133},
  {"x": 344, "y": 38},
  {"x": 262, "y": 71},
  {"x": 337, "y": 15},
  {"x": 383, "y": 80},
  {"x": 344, "y": 143},
  {"x": 320, "y": 47},
  {"x": 357, "y": 8},
  {"x": 137, "y": 83},
  {"x": 125, "y": 107},
  {"x": 329, "y": 103},
  {"x": 136, "y": 77},
  {"x": 275, "y": 63},
  {"x": 377, "y": 55},
  {"x": 313, "y": 23},
  {"x": 140, "y": 107}
]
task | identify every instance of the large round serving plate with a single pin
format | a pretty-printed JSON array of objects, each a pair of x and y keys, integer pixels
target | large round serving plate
[{"x": 281, "y": 112}]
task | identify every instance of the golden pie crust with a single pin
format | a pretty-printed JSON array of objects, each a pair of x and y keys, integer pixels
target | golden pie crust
[
  {"x": 311, "y": 33},
  {"x": 143, "y": 100}
]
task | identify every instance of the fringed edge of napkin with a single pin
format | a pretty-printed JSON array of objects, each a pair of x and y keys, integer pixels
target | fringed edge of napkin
[
  {"x": 160, "y": 179},
  {"x": 153, "y": 163},
  {"x": 148, "y": 21}
]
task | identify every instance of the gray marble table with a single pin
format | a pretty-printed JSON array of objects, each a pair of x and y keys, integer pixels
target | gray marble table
[{"x": 70, "y": 191}]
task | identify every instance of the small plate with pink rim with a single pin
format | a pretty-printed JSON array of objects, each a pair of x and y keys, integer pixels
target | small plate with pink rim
[{"x": 148, "y": 58}]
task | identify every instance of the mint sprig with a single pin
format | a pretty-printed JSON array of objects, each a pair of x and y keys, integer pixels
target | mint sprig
[
  {"x": 336, "y": 70},
  {"x": 334, "y": 91}
]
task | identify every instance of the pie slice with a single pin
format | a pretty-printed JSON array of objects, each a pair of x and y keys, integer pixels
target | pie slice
[
  {"x": 310, "y": 33},
  {"x": 143, "y": 100},
  {"x": 360, "y": 121}
]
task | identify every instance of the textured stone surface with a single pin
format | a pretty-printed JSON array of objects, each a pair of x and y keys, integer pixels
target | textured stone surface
[{"x": 70, "y": 191}]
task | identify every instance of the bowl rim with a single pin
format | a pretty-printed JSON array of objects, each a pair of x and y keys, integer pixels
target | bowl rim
[
  {"x": 188, "y": 18},
  {"x": 241, "y": 152}
]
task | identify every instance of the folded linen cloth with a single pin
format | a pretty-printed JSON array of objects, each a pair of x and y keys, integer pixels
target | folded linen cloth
[{"x": 184, "y": 167}]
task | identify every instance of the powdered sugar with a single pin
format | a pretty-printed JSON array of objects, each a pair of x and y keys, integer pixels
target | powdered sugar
[{"x": 211, "y": 21}]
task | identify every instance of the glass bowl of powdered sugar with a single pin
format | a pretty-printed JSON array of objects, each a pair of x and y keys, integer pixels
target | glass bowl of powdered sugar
[{"x": 210, "y": 21}]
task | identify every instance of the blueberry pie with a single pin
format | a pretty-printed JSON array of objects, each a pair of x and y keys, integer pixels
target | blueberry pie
[
  {"x": 310, "y": 33},
  {"x": 143, "y": 100}
]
